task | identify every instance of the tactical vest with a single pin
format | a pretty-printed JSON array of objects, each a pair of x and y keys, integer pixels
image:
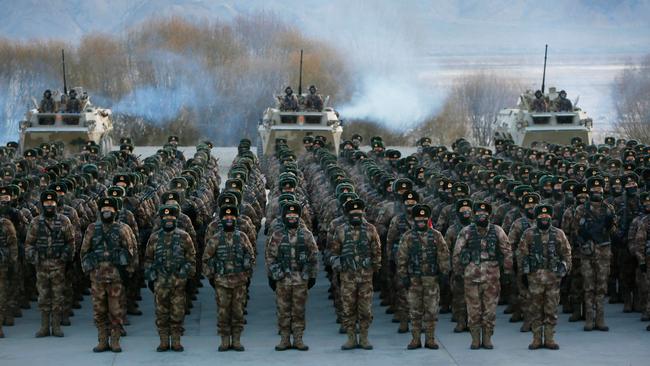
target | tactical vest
[
  {"x": 537, "y": 260},
  {"x": 170, "y": 259},
  {"x": 594, "y": 224},
  {"x": 106, "y": 246},
  {"x": 284, "y": 258},
  {"x": 355, "y": 254},
  {"x": 423, "y": 263},
  {"x": 471, "y": 252},
  {"x": 230, "y": 259},
  {"x": 50, "y": 243},
  {"x": 122, "y": 216},
  {"x": 402, "y": 226}
]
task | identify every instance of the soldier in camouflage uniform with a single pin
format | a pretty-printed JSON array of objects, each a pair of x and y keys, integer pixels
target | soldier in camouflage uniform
[
  {"x": 544, "y": 256},
  {"x": 170, "y": 259},
  {"x": 458, "y": 306},
  {"x": 640, "y": 247},
  {"x": 292, "y": 264},
  {"x": 595, "y": 222},
  {"x": 519, "y": 295},
  {"x": 422, "y": 265},
  {"x": 356, "y": 254},
  {"x": 480, "y": 249},
  {"x": 228, "y": 261},
  {"x": 49, "y": 247},
  {"x": 8, "y": 261},
  {"x": 107, "y": 254}
]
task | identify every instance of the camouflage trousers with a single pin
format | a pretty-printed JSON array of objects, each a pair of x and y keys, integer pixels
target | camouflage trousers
[
  {"x": 576, "y": 291},
  {"x": 400, "y": 300},
  {"x": 15, "y": 289},
  {"x": 290, "y": 300},
  {"x": 595, "y": 273},
  {"x": 482, "y": 299},
  {"x": 544, "y": 297},
  {"x": 108, "y": 310},
  {"x": 423, "y": 301},
  {"x": 336, "y": 294},
  {"x": 458, "y": 305},
  {"x": 230, "y": 309},
  {"x": 643, "y": 279},
  {"x": 521, "y": 298},
  {"x": 50, "y": 283},
  {"x": 356, "y": 301},
  {"x": 4, "y": 293},
  {"x": 170, "y": 306},
  {"x": 627, "y": 264}
]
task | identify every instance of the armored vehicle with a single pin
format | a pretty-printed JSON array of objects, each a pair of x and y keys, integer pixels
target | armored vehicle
[
  {"x": 294, "y": 125},
  {"x": 524, "y": 126},
  {"x": 91, "y": 123}
]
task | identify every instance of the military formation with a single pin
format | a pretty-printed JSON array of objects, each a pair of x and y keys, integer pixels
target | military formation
[{"x": 455, "y": 230}]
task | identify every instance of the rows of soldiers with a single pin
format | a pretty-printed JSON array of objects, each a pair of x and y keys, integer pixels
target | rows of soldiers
[
  {"x": 455, "y": 230},
  {"x": 109, "y": 225},
  {"x": 463, "y": 230}
]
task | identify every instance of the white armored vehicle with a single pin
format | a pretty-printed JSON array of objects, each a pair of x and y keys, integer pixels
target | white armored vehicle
[
  {"x": 293, "y": 125},
  {"x": 73, "y": 128},
  {"x": 525, "y": 125}
]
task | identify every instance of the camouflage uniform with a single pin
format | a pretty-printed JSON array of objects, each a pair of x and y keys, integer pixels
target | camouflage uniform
[
  {"x": 170, "y": 259},
  {"x": 292, "y": 262},
  {"x": 476, "y": 256},
  {"x": 49, "y": 246},
  {"x": 228, "y": 260},
  {"x": 544, "y": 257},
  {"x": 422, "y": 258},
  {"x": 107, "y": 254},
  {"x": 594, "y": 225},
  {"x": 355, "y": 255},
  {"x": 8, "y": 259}
]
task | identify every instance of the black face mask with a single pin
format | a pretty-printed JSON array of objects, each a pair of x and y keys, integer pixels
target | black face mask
[
  {"x": 228, "y": 224},
  {"x": 107, "y": 217},
  {"x": 543, "y": 223},
  {"x": 558, "y": 195},
  {"x": 631, "y": 191},
  {"x": 421, "y": 225},
  {"x": 49, "y": 211},
  {"x": 482, "y": 219},
  {"x": 356, "y": 219},
  {"x": 465, "y": 217},
  {"x": 616, "y": 191},
  {"x": 547, "y": 193},
  {"x": 169, "y": 224},
  {"x": 291, "y": 222}
]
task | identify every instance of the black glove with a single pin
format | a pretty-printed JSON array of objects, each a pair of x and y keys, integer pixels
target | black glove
[
  {"x": 311, "y": 283},
  {"x": 272, "y": 283},
  {"x": 150, "y": 284},
  {"x": 507, "y": 279},
  {"x": 643, "y": 268},
  {"x": 524, "y": 280},
  {"x": 406, "y": 282},
  {"x": 212, "y": 283}
]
